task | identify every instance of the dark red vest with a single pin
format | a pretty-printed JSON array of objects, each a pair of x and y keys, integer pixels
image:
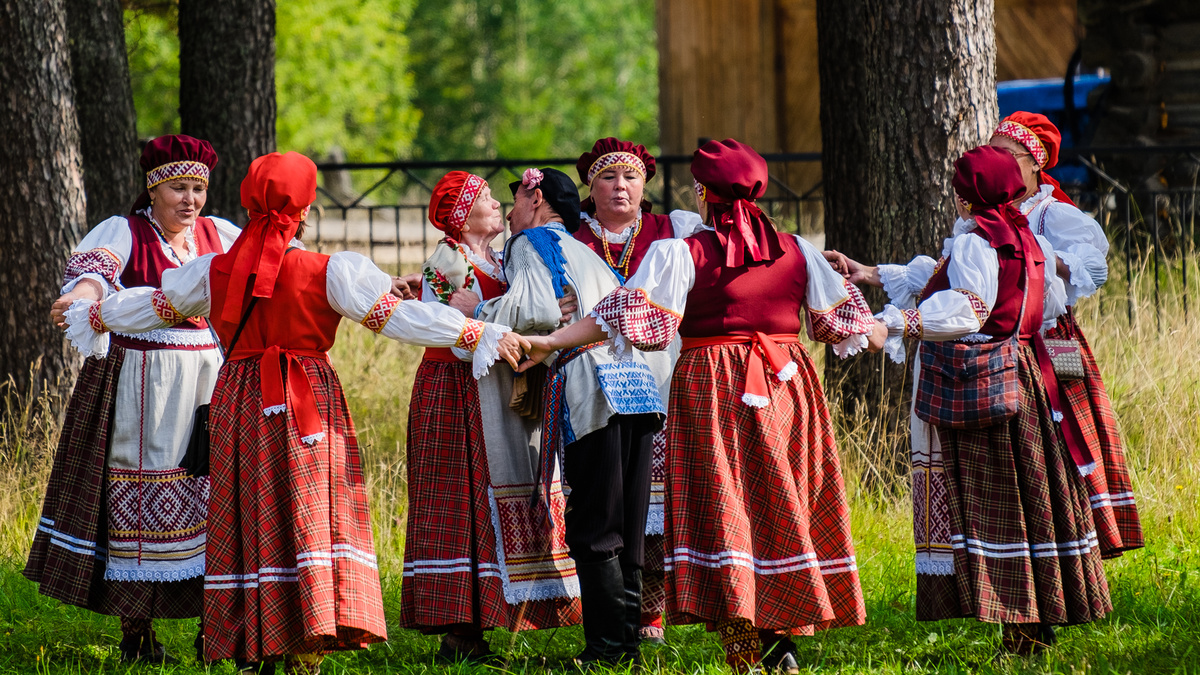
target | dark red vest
[
  {"x": 654, "y": 227},
  {"x": 1003, "y": 320},
  {"x": 766, "y": 298},
  {"x": 147, "y": 261}
]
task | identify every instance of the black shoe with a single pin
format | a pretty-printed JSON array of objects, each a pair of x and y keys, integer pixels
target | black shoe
[
  {"x": 244, "y": 666},
  {"x": 631, "y": 578},
  {"x": 779, "y": 654},
  {"x": 602, "y": 594},
  {"x": 458, "y": 648},
  {"x": 146, "y": 652}
]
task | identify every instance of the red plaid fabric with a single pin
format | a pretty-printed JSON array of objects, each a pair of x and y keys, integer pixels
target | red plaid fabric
[
  {"x": 291, "y": 562},
  {"x": 757, "y": 523},
  {"x": 1110, "y": 491},
  {"x": 1025, "y": 548},
  {"x": 451, "y": 568},
  {"x": 74, "y": 524},
  {"x": 967, "y": 386}
]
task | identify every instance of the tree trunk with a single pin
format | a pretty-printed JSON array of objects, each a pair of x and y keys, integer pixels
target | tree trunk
[
  {"x": 227, "y": 89},
  {"x": 41, "y": 190},
  {"x": 906, "y": 87},
  {"x": 104, "y": 107}
]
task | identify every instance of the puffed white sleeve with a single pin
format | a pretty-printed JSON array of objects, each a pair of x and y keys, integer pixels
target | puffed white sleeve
[
  {"x": 530, "y": 305},
  {"x": 836, "y": 311},
  {"x": 184, "y": 294},
  {"x": 1081, "y": 244},
  {"x": 904, "y": 283},
  {"x": 648, "y": 309},
  {"x": 685, "y": 223},
  {"x": 361, "y": 292},
  {"x": 959, "y": 312},
  {"x": 1054, "y": 304},
  {"x": 100, "y": 256},
  {"x": 227, "y": 232}
]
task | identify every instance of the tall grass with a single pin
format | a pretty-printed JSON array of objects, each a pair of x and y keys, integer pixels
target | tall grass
[{"x": 1153, "y": 378}]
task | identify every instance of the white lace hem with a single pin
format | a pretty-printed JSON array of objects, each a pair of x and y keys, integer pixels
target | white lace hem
[
  {"x": 893, "y": 346},
  {"x": 655, "y": 520},
  {"x": 619, "y": 344},
  {"x": 1087, "y": 469},
  {"x": 79, "y": 331},
  {"x": 488, "y": 349},
  {"x": 789, "y": 371},
  {"x": 935, "y": 564},
  {"x": 851, "y": 346},
  {"x": 611, "y": 237},
  {"x": 179, "y": 337},
  {"x": 274, "y": 409},
  {"x": 139, "y": 574},
  {"x": 313, "y": 439},
  {"x": 755, "y": 401}
]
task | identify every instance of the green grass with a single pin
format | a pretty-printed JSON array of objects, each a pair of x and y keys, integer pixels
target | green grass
[{"x": 1154, "y": 379}]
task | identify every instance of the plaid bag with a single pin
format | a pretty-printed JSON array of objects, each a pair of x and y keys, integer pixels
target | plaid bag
[{"x": 967, "y": 386}]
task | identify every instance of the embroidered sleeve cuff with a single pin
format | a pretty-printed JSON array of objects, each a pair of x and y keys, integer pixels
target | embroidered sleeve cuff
[
  {"x": 164, "y": 309},
  {"x": 381, "y": 312},
  {"x": 98, "y": 263},
  {"x": 630, "y": 312},
  {"x": 86, "y": 329},
  {"x": 846, "y": 319},
  {"x": 850, "y": 346},
  {"x": 487, "y": 348},
  {"x": 619, "y": 344}
]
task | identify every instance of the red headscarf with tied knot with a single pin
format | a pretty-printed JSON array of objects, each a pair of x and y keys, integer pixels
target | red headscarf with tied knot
[
  {"x": 277, "y": 192},
  {"x": 989, "y": 179},
  {"x": 453, "y": 198},
  {"x": 607, "y": 153},
  {"x": 1037, "y": 134},
  {"x": 730, "y": 176},
  {"x": 171, "y": 157}
]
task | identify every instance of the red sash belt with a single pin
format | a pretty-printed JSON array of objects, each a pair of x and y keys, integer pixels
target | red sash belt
[
  {"x": 441, "y": 355},
  {"x": 274, "y": 395},
  {"x": 756, "y": 393}
]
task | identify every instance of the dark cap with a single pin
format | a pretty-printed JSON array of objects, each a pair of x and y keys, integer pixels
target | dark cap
[{"x": 559, "y": 190}]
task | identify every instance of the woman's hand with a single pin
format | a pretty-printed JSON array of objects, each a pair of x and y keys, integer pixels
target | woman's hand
[
  {"x": 878, "y": 337},
  {"x": 511, "y": 347},
  {"x": 854, "y": 272},
  {"x": 407, "y": 287},
  {"x": 568, "y": 305},
  {"x": 539, "y": 348},
  {"x": 838, "y": 261},
  {"x": 465, "y": 301},
  {"x": 85, "y": 289}
]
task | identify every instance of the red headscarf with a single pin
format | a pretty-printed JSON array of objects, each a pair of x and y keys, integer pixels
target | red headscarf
[
  {"x": 175, "y": 156},
  {"x": 277, "y": 192},
  {"x": 730, "y": 176},
  {"x": 607, "y": 153},
  {"x": 1041, "y": 138},
  {"x": 989, "y": 179},
  {"x": 452, "y": 200}
]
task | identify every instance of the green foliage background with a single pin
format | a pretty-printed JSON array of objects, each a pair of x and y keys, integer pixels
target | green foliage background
[{"x": 376, "y": 80}]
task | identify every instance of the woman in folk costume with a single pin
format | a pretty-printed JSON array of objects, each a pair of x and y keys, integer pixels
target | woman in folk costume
[
  {"x": 1080, "y": 247},
  {"x": 291, "y": 572},
  {"x": 1002, "y": 523},
  {"x": 123, "y": 528},
  {"x": 617, "y": 224},
  {"x": 452, "y": 574},
  {"x": 757, "y": 524}
]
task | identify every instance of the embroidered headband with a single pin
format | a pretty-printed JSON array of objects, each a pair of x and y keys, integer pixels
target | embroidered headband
[
  {"x": 1025, "y": 136},
  {"x": 465, "y": 202},
  {"x": 174, "y": 170},
  {"x": 612, "y": 159}
]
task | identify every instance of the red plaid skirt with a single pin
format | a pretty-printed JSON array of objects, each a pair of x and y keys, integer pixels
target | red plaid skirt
[
  {"x": 757, "y": 524},
  {"x": 1024, "y": 541},
  {"x": 451, "y": 570},
  {"x": 1109, "y": 489},
  {"x": 73, "y": 525},
  {"x": 291, "y": 562}
]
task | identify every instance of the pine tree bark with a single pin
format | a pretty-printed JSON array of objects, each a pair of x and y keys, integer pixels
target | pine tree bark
[
  {"x": 104, "y": 108},
  {"x": 41, "y": 190},
  {"x": 906, "y": 87},
  {"x": 227, "y": 89}
]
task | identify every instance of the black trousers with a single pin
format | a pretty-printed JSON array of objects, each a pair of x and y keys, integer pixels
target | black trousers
[{"x": 608, "y": 472}]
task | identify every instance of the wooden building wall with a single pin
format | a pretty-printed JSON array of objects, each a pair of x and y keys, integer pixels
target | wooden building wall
[{"x": 747, "y": 69}]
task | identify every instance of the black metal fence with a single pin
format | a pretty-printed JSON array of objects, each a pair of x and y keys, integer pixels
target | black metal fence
[{"x": 1152, "y": 231}]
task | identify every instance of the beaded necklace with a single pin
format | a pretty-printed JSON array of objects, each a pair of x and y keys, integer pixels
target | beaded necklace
[
  {"x": 188, "y": 242},
  {"x": 621, "y": 267}
]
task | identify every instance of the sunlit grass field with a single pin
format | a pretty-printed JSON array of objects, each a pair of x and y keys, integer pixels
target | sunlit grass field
[{"x": 1153, "y": 377}]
